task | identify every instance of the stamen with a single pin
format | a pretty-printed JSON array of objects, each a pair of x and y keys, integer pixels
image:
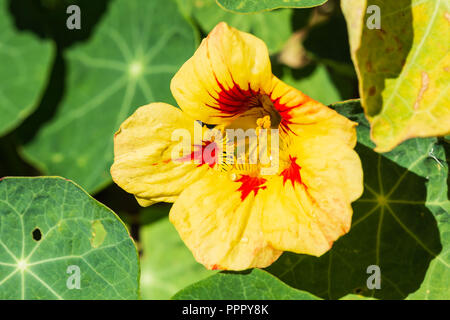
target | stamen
[
  {"x": 263, "y": 123},
  {"x": 266, "y": 122}
]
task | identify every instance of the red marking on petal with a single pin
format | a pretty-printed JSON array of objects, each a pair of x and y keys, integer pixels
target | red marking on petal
[
  {"x": 292, "y": 173},
  {"x": 199, "y": 154},
  {"x": 249, "y": 184},
  {"x": 285, "y": 114},
  {"x": 164, "y": 162},
  {"x": 234, "y": 100}
]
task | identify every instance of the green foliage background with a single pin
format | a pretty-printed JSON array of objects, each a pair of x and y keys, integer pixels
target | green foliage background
[{"x": 65, "y": 92}]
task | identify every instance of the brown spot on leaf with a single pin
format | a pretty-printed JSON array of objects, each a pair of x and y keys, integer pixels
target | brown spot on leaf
[
  {"x": 423, "y": 88},
  {"x": 372, "y": 90},
  {"x": 399, "y": 44}
]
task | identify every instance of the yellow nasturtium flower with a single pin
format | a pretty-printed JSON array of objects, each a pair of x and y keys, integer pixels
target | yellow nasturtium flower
[{"x": 233, "y": 216}]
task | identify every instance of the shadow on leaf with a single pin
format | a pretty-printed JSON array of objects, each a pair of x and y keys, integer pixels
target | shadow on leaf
[
  {"x": 47, "y": 18},
  {"x": 383, "y": 52},
  {"x": 391, "y": 228}
]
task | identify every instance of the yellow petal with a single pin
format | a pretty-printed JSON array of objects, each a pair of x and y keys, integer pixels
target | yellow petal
[
  {"x": 303, "y": 115},
  {"x": 328, "y": 163},
  {"x": 303, "y": 220},
  {"x": 222, "y": 225},
  {"x": 225, "y": 73},
  {"x": 143, "y": 149},
  {"x": 308, "y": 206},
  {"x": 308, "y": 212}
]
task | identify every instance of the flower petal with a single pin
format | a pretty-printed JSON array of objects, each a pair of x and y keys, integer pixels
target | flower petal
[
  {"x": 143, "y": 149},
  {"x": 221, "y": 224},
  {"x": 302, "y": 115},
  {"x": 223, "y": 76},
  {"x": 312, "y": 196},
  {"x": 302, "y": 220}
]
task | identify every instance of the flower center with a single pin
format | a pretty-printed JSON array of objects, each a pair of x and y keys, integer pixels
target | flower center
[{"x": 257, "y": 107}]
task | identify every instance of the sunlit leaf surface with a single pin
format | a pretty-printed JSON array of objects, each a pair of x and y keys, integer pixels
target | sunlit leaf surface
[
  {"x": 403, "y": 67},
  {"x": 25, "y": 65},
  {"x": 49, "y": 228}
]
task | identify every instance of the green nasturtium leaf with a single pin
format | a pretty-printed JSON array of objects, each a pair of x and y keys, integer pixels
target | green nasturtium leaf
[
  {"x": 167, "y": 265},
  {"x": 25, "y": 65},
  {"x": 317, "y": 84},
  {"x": 252, "y": 285},
  {"x": 128, "y": 62},
  {"x": 52, "y": 233},
  {"x": 437, "y": 279},
  {"x": 356, "y": 297},
  {"x": 262, "y": 25},
  {"x": 401, "y": 224},
  {"x": 248, "y": 6},
  {"x": 403, "y": 67}
]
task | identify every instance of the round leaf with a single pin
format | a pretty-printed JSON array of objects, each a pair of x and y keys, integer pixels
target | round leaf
[
  {"x": 25, "y": 66},
  {"x": 127, "y": 63},
  {"x": 56, "y": 242},
  {"x": 253, "y": 285}
]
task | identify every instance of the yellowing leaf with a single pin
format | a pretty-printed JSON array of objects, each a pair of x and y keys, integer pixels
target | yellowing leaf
[{"x": 403, "y": 67}]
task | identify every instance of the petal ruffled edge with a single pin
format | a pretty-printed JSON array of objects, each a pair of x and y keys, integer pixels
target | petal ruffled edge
[
  {"x": 220, "y": 226},
  {"x": 222, "y": 78},
  {"x": 143, "y": 160}
]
